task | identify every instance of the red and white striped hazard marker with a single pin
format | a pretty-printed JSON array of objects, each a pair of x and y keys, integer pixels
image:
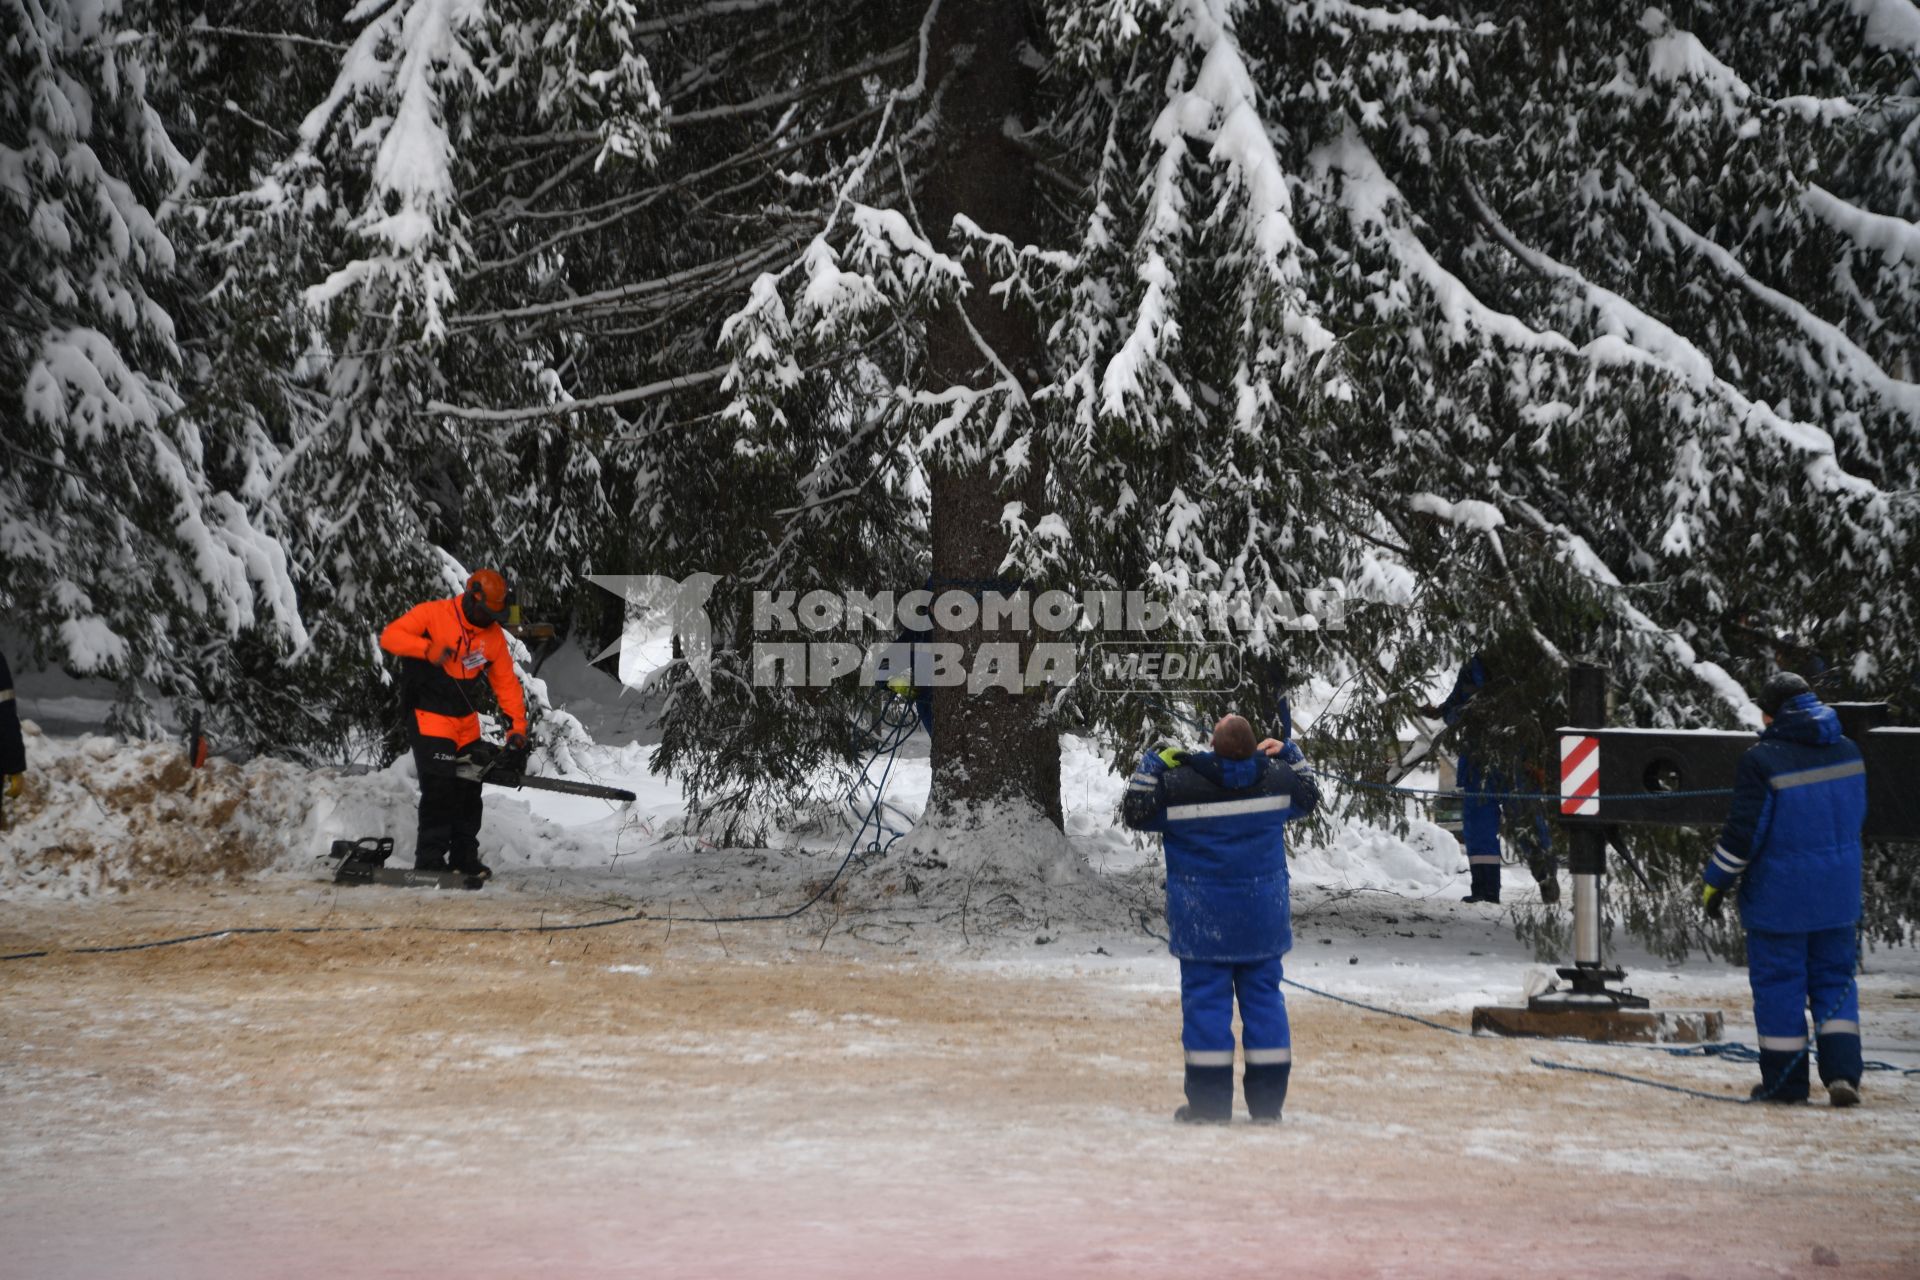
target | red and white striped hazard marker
[{"x": 1579, "y": 774}]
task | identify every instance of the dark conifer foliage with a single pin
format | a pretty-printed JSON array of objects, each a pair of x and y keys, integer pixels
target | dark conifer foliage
[{"x": 1560, "y": 332}]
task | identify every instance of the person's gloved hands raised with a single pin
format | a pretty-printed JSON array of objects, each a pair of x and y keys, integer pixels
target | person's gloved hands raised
[
  {"x": 1158, "y": 761},
  {"x": 1289, "y": 752}
]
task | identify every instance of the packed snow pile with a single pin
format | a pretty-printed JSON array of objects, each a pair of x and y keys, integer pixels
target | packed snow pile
[
  {"x": 100, "y": 815},
  {"x": 1423, "y": 862}
]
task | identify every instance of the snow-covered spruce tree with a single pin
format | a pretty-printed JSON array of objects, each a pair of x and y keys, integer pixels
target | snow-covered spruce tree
[
  {"x": 360, "y": 228},
  {"x": 137, "y": 540},
  {"x": 1580, "y": 333},
  {"x": 1558, "y": 334},
  {"x": 244, "y": 74},
  {"x": 901, "y": 273},
  {"x": 524, "y": 224},
  {"x": 1515, "y": 392},
  {"x": 1578, "y": 379}
]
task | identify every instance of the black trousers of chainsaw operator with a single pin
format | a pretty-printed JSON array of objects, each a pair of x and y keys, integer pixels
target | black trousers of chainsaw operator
[{"x": 450, "y": 809}]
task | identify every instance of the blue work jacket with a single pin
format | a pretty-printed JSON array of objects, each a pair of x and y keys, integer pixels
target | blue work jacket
[
  {"x": 1224, "y": 825},
  {"x": 1793, "y": 837}
]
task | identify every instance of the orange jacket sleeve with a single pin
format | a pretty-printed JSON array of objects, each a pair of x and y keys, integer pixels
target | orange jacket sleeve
[
  {"x": 407, "y": 634},
  {"x": 505, "y": 682}
]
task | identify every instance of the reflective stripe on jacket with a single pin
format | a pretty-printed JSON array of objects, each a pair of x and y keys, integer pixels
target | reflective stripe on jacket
[
  {"x": 1224, "y": 826},
  {"x": 1793, "y": 836},
  {"x": 445, "y": 697}
]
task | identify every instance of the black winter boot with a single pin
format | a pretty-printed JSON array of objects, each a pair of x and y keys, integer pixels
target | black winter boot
[
  {"x": 1265, "y": 1084},
  {"x": 1783, "y": 1076},
  {"x": 1209, "y": 1096},
  {"x": 1185, "y": 1114},
  {"x": 1840, "y": 1062},
  {"x": 1486, "y": 882},
  {"x": 469, "y": 864}
]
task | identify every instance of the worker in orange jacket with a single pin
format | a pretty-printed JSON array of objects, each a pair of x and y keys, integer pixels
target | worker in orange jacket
[{"x": 444, "y": 647}]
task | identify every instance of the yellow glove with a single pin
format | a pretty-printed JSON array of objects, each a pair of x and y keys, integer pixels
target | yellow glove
[
  {"x": 1712, "y": 901},
  {"x": 15, "y": 782},
  {"x": 1172, "y": 757},
  {"x": 902, "y": 685}
]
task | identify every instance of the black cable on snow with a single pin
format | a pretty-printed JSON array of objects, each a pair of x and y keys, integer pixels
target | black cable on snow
[{"x": 1374, "y": 1008}]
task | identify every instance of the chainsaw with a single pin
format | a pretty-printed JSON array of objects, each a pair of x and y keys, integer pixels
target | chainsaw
[{"x": 496, "y": 766}]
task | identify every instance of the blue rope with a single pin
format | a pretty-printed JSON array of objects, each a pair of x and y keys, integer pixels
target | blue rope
[
  {"x": 1698, "y": 1093},
  {"x": 1552, "y": 796},
  {"x": 1521, "y": 795},
  {"x": 1737, "y": 1052},
  {"x": 1732, "y": 1052}
]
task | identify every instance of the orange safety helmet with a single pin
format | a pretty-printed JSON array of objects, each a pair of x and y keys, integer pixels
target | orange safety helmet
[{"x": 488, "y": 598}]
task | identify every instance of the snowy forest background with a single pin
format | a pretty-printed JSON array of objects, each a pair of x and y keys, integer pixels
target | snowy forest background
[{"x": 1554, "y": 332}]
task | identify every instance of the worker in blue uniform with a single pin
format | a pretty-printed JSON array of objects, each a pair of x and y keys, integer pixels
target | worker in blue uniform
[
  {"x": 1792, "y": 842},
  {"x": 1223, "y": 815},
  {"x": 1481, "y": 785}
]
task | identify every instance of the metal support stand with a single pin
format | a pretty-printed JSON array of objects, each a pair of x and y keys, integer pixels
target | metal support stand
[
  {"x": 1587, "y": 859},
  {"x": 1589, "y": 1008}
]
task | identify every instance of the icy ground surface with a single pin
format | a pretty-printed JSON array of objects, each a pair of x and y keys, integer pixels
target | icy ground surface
[
  {"x": 864, "y": 1095},
  {"x": 873, "y": 1088}
]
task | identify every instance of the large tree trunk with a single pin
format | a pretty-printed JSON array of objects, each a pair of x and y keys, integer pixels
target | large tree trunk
[{"x": 993, "y": 753}]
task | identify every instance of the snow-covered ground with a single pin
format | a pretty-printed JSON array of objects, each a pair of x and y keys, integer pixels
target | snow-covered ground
[
  {"x": 868, "y": 1089},
  {"x": 855, "y": 1094}
]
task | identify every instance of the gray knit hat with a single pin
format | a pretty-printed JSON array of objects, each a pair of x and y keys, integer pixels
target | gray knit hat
[{"x": 1781, "y": 688}]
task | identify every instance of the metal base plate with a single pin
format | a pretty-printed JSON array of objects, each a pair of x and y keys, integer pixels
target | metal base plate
[{"x": 1586, "y": 1020}]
